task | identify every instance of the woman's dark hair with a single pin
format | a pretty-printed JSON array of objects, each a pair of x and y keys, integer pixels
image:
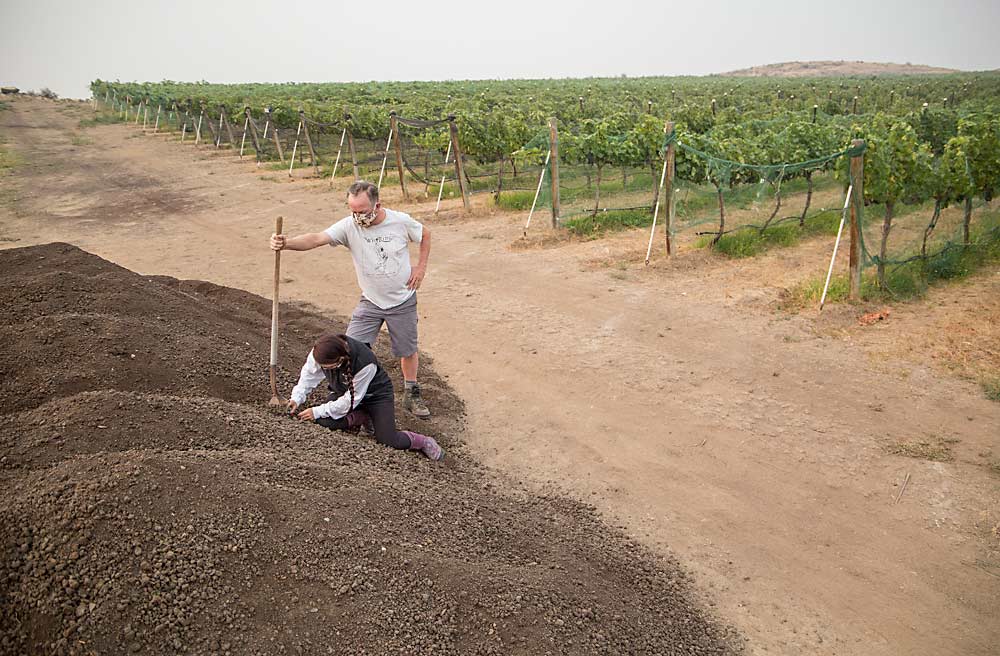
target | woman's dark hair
[{"x": 330, "y": 348}]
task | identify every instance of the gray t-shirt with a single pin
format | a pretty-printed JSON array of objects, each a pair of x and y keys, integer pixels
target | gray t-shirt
[{"x": 381, "y": 257}]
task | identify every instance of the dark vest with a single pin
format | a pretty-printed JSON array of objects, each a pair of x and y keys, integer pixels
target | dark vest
[{"x": 361, "y": 356}]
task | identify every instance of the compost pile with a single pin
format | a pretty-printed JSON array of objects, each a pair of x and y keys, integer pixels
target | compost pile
[{"x": 152, "y": 504}]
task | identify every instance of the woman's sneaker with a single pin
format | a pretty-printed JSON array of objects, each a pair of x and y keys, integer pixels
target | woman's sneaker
[
  {"x": 426, "y": 445},
  {"x": 433, "y": 450}
]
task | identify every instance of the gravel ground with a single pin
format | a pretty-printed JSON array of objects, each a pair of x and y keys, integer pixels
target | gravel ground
[{"x": 152, "y": 504}]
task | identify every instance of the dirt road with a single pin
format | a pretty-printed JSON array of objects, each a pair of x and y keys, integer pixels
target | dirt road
[{"x": 673, "y": 397}]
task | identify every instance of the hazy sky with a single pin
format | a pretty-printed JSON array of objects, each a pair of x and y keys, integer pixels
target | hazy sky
[{"x": 65, "y": 44}]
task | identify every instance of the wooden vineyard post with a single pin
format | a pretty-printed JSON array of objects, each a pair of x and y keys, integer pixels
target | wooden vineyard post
[
  {"x": 354, "y": 154},
  {"x": 312, "y": 151},
  {"x": 554, "y": 168},
  {"x": 274, "y": 134},
  {"x": 394, "y": 127},
  {"x": 210, "y": 124},
  {"x": 857, "y": 206},
  {"x": 668, "y": 188},
  {"x": 350, "y": 143},
  {"x": 459, "y": 166},
  {"x": 253, "y": 134},
  {"x": 668, "y": 165}
]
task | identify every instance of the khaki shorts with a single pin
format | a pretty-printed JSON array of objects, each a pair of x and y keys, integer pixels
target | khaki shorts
[{"x": 367, "y": 320}]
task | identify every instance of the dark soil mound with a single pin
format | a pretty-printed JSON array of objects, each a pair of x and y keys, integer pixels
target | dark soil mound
[
  {"x": 74, "y": 322},
  {"x": 153, "y": 505}
]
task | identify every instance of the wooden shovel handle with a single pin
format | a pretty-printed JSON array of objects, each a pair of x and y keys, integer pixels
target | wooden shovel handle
[{"x": 274, "y": 297}]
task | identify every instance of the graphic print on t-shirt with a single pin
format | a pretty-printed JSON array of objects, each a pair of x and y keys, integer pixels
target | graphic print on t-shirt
[{"x": 378, "y": 261}]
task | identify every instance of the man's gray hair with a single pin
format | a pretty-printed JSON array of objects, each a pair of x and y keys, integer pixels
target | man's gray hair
[{"x": 363, "y": 186}]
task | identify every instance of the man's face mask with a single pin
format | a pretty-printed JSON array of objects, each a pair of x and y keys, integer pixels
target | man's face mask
[{"x": 365, "y": 219}]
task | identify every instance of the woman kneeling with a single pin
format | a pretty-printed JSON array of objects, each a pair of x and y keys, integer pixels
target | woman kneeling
[{"x": 360, "y": 394}]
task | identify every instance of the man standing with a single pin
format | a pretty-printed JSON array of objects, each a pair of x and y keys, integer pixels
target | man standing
[{"x": 377, "y": 238}]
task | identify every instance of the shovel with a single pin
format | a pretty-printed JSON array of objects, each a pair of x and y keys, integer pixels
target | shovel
[{"x": 276, "y": 401}]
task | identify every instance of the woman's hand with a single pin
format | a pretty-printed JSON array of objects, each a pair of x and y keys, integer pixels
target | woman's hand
[
  {"x": 292, "y": 407},
  {"x": 306, "y": 415}
]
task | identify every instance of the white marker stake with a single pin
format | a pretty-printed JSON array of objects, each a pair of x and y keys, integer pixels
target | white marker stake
[
  {"x": 218, "y": 140},
  {"x": 443, "y": 175},
  {"x": 537, "y": 191},
  {"x": 243, "y": 141},
  {"x": 656, "y": 210},
  {"x": 843, "y": 217},
  {"x": 384, "y": 158},
  {"x": 340, "y": 148},
  {"x": 294, "y": 148},
  {"x": 156, "y": 127}
]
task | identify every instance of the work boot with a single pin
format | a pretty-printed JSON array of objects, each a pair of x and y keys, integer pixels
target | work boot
[
  {"x": 413, "y": 403},
  {"x": 426, "y": 445}
]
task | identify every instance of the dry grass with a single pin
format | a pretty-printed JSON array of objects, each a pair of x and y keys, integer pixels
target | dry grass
[
  {"x": 961, "y": 333},
  {"x": 548, "y": 238},
  {"x": 933, "y": 448},
  {"x": 78, "y": 139}
]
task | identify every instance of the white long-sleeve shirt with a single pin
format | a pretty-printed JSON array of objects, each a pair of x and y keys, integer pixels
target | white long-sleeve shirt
[{"x": 312, "y": 375}]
